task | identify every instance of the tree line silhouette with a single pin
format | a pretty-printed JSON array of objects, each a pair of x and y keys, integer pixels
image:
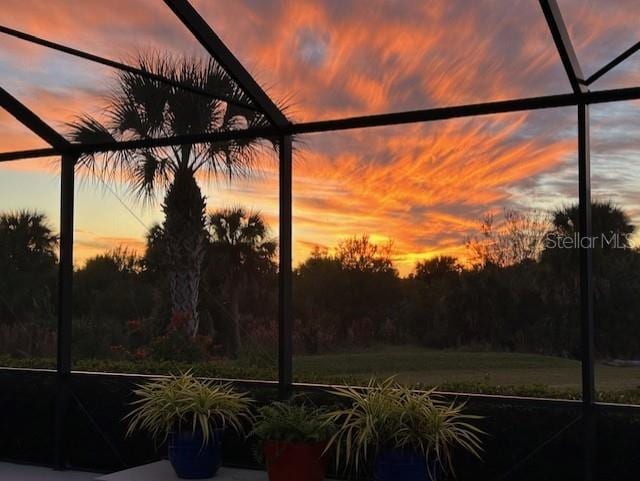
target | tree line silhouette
[{"x": 512, "y": 293}]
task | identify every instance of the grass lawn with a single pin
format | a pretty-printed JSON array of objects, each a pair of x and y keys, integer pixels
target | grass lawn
[
  {"x": 461, "y": 371},
  {"x": 436, "y": 367}
]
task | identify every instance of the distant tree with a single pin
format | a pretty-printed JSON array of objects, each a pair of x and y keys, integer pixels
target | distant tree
[
  {"x": 615, "y": 273},
  {"x": 25, "y": 236},
  {"x": 120, "y": 260},
  {"x": 154, "y": 259},
  {"x": 349, "y": 295},
  {"x": 241, "y": 249},
  {"x": 608, "y": 222},
  {"x": 437, "y": 268},
  {"x": 611, "y": 228},
  {"x": 140, "y": 108},
  {"x": 517, "y": 238},
  {"x": 112, "y": 293},
  {"x": 28, "y": 266},
  {"x": 319, "y": 283},
  {"x": 320, "y": 290},
  {"x": 358, "y": 253}
]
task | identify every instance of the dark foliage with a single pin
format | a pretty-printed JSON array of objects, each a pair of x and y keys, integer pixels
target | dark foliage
[
  {"x": 28, "y": 284},
  {"x": 352, "y": 298}
]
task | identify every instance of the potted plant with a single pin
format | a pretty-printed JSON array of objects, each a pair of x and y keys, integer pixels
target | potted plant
[
  {"x": 191, "y": 414},
  {"x": 294, "y": 438},
  {"x": 412, "y": 435}
]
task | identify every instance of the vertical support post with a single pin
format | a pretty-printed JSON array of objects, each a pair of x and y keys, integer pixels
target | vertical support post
[
  {"x": 65, "y": 307},
  {"x": 285, "y": 275},
  {"x": 586, "y": 291}
]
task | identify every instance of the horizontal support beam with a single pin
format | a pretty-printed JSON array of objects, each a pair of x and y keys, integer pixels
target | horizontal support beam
[
  {"x": 248, "y": 383},
  {"x": 616, "y": 61},
  {"x": 436, "y": 114},
  {"x": 29, "y": 154},
  {"x": 80, "y": 149},
  {"x": 471, "y": 110},
  {"x": 379, "y": 120},
  {"x": 120, "y": 66},
  {"x": 214, "y": 137}
]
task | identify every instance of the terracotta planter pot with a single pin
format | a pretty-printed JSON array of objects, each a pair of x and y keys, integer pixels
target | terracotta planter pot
[{"x": 294, "y": 461}]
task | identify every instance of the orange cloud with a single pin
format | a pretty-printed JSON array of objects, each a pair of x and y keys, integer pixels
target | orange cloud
[
  {"x": 425, "y": 186},
  {"x": 15, "y": 136}
]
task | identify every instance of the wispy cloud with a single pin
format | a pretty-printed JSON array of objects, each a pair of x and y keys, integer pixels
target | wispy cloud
[{"x": 425, "y": 186}]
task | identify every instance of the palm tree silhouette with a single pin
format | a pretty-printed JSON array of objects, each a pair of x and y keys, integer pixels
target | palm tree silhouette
[
  {"x": 607, "y": 220},
  {"x": 140, "y": 108},
  {"x": 241, "y": 247},
  {"x": 26, "y": 234},
  {"x": 27, "y": 262}
]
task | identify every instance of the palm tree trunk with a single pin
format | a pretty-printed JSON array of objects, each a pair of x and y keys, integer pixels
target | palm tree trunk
[{"x": 185, "y": 236}]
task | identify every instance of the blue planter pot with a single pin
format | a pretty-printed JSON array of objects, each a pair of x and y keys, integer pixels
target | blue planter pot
[
  {"x": 193, "y": 460},
  {"x": 401, "y": 465}
]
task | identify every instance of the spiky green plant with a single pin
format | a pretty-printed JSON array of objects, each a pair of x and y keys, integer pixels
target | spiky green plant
[
  {"x": 388, "y": 415},
  {"x": 435, "y": 427},
  {"x": 292, "y": 423},
  {"x": 179, "y": 403}
]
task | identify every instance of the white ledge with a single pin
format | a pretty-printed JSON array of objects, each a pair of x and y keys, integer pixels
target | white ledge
[{"x": 162, "y": 471}]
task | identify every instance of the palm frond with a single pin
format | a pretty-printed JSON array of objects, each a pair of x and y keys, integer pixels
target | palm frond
[
  {"x": 142, "y": 108},
  {"x": 88, "y": 130}
]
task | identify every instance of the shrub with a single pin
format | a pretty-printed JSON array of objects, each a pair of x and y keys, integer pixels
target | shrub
[
  {"x": 27, "y": 339},
  {"x": 176, "y": 344}
]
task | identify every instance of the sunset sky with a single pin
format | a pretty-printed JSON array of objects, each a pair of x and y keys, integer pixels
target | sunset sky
[{"x": 424, "y": 186}]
